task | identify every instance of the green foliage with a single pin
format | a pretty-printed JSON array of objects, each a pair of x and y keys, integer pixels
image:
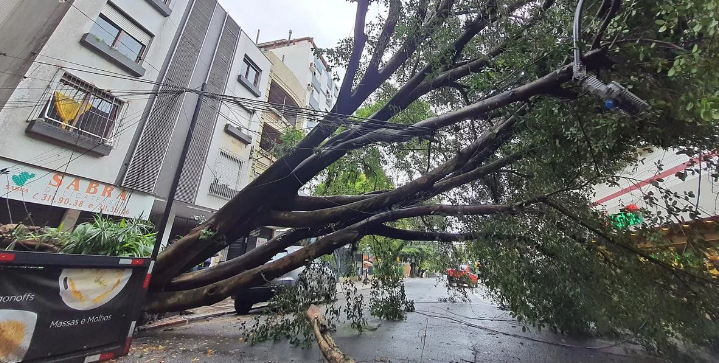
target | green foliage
[
  {"x": 388, "y": 300},
  {"x": 287, "y": 317},
  {"x": 425, "y": 256},
  {"x": 387, "y": 297},
  {"x": 357, "y": 173},
  {"x": 551, "y": 270},
  {"x": 354, "y": 305},
  {"x": 126, "y": 238},
  {"x": 289, "y": 139}
]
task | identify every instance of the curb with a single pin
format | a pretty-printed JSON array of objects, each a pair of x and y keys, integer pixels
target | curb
[{"x": 183, "y": 321}]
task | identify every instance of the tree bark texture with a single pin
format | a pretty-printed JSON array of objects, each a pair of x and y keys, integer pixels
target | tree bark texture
[{"x": 327, "y": 345}]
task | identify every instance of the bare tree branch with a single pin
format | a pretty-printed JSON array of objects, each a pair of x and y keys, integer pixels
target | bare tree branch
[
  {"x": 220, "y": 290},
  {"x": 306, "y": 203},
  {"x": 228, "y": 223},
  {"x": 251, "y": 259},
  {"x": 461, "y": 179},
  {"x": 488, "y": 142},
  {"x": 462, "y": 89},
  {"x": 395, "y": 9},
  {"x": 608, "y": 14},
  {"x": 540, "y": 86},
  {"x": 370, "y": 82},
  {"x": 360, "y": 39},
  {"x": 327, "y": 345},
  {"x": 408, "y": 235}
]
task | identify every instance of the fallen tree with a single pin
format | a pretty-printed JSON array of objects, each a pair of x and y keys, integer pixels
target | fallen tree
[
  {"x": 327, "y": 345},
  {"x": 508, "y": 137}
]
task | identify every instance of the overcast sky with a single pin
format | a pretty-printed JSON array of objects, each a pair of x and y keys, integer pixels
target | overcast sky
[{"x": 325, "y": 20}]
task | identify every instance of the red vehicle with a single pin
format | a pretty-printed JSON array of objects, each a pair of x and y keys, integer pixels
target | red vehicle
[{"x": 462, "y": 276}]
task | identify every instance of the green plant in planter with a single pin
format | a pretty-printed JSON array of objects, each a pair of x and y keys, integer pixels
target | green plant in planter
[{"x": 126, "y": 238}]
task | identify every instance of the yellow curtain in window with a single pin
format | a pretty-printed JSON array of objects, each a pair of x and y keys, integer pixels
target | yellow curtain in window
[{"x": 68, "y": 109}]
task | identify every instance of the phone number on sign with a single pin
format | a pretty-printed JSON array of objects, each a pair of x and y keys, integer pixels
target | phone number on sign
[{"x": 70, "y": 202}]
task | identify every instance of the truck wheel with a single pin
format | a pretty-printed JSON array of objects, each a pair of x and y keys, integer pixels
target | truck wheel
[{"x": 242, "y": 307}]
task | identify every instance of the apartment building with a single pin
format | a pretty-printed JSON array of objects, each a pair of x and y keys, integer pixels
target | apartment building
[
  {"x": 211, "y": 49},
  {"x": 97, "y": 103},
  {"x": 76, "y": 79},
  {"x": 286, "y": 93},
  {"x": 311, "y": 69}
]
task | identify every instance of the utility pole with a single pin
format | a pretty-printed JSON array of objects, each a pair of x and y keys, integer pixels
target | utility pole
[{"x": 178, "y": 172}]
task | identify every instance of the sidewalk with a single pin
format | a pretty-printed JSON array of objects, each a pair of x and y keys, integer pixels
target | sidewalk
[{"x": 224, "y": 307}]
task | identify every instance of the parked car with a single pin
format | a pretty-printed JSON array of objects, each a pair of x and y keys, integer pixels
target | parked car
[
  {"x": 244, "y": 299},
  {"x": 462, "y": 276}
]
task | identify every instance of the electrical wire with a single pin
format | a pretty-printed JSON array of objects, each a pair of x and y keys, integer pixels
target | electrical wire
[{"x": 126, "y": 128}]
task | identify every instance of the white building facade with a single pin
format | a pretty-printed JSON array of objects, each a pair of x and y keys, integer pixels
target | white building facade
[
  {"x": 211, "y": 49},
  {"x": 656, "y": 172},
  {"x": 80, "y": 74},
  {"x": 96, "y": 103},
  {"x": 312, "y": 70}
]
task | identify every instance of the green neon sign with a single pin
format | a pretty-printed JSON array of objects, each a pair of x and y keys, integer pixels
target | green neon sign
[{"x": 624, "y": 220}]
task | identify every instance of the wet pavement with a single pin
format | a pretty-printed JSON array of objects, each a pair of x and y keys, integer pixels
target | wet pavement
[{"x": 439, "y": 331}]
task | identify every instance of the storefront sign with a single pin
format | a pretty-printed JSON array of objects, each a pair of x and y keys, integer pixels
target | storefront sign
[
  {"x": 35, "y": 185},
  {"x": 54, "y": 311}
]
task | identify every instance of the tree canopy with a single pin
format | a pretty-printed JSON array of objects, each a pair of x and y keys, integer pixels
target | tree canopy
[{"x": 463, "y": 120}]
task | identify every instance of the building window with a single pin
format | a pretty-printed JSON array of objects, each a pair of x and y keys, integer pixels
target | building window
[
  {"x": 78, "y": 108},
  {"x": 251, "y": 72},
  {"x": 319, "y": 65},
  {"x": 270, "y": 138},
  {"x": 284, "y": 104},
  {"x": 314, "y": 99},
  {"x": 228, "y": 176},
  {"x": 131, "y": 43}
]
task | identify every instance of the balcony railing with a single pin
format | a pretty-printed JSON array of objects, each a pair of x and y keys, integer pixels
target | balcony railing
[
  {"x": 222, "y": 190},
  {"x": 79, "y": 108}
]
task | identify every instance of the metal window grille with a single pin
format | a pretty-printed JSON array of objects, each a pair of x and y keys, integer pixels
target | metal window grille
[
  {"x": 83, "y": 109},
  {"x": 228, "y": 176}
]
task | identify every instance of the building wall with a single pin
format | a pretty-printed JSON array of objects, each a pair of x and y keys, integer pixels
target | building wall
[
  {"x": 23, "y": 36},
  {"x": 155, "y": 158},
  {"x": 299, "y": 57},
  {"x": 637, "y": 181},
  {"x": 63, "y": 50},
  {"x": 247, "y": 120},
  {"x": 74, "y": 177},
  {"x": 283, "y": 75}
]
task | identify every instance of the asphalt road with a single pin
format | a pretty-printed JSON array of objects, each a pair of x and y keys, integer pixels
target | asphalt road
[{"x": 439, "y": 331}]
